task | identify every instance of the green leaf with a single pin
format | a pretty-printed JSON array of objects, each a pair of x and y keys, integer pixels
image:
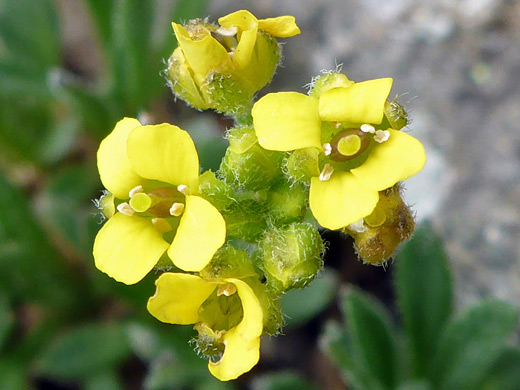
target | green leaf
[
  {"x": 84, "y": 352},
  {"x": 337, "y": 345},
  {"x": 30, "y": 268},
  {"x": 105, "y": 380},
  {"x": 504, "y": 374},
  {"x": 423, "y": 284},
  {"x": 13, "y": 375},
  {"x": 471, "y": 343},
  {"x": 282, "y": 381},
  {"x": 372, "y": 336},
  {"x": 65, "y": 204},
  {"x": 415, "y": 385},
  {"x": 6, "y": 319},
  {"x": 316, "y": 297}
]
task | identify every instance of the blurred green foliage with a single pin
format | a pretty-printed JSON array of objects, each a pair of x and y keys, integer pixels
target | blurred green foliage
[{"x": 434, "y": 348}]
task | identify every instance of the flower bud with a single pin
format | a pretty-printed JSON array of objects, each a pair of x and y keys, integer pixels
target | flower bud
[
  {"x": 214, "y": 190},
  {"x": 327, "y": 81},
  {"x": 222, "y": 67},
  {"x": 396, "y": 115},
  {"x": 229, "y": 262},
  {"x": 390, "y": 224},
  {"x": 287, "y": 203},
  {"x": 302, "y": 164},
  {"x": 292, "y": 255},
  {"x": 245, "y": 220},
  {"x": 254, "y": 169}
]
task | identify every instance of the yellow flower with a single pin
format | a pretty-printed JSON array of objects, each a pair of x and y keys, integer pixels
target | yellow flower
[
  {"x": 183, "y": 299},
  {"x": 153, "y": 171},
  {"x": 222, "y": 67},
  {"x": 356, "y": 158}
]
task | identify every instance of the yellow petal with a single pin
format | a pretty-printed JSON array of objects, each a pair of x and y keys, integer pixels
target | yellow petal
[
  {"x": 287, "y": 121},
  {"x": 280, "y": 27},
  {"x": 242, "y": 343},
  {"x": 114, "y": 167},
  {"x": 360, "y": 103},
  {"x": 247, "y": 25},
  {"x": 165, "y": 153},
  {"x": 205, "y": 55},
  {"x": 396, "y": 159},
  {"x": 127, "y": 248},
  {"x": 178, "y": 298},
  {"x": 341, "y": 200},
  {"x": 239, "y": 356},
  {"x": 201, "y": 232}
]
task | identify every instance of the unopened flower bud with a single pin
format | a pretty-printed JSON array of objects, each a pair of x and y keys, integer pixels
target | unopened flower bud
[
  {"x": 292, "y": 255},
  {"x": 253, "y": 169},
  {"x": 287, "y": 203}
]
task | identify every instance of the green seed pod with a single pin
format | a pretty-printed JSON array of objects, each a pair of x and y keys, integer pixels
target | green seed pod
[
  {"x": 254, "y": 169},
  {"x": 302, "y": 164},
  {"x": 292, "y": 256},
  {"x": 287, "y": 203}
]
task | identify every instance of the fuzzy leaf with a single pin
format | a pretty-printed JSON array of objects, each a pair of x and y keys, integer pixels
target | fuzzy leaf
[
  {"x": 471, "y": 343},
  {"x": 423, "y": 284}
]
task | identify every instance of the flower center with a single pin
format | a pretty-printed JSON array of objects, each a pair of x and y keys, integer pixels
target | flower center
[{"x": 348, "y": 144}]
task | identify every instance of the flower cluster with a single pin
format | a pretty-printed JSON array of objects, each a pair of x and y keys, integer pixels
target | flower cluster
[{"x": 228, "y": 244}]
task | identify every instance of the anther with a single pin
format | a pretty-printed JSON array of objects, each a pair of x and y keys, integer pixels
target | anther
[
  {"x": 136, "y": 190},
  {"x": 366, "y": 128},
  {"x": 162, "y": 225},
  {"x": 183, "y": 189},
  {"x": 124, "y": 208},
  {"x": 381, "y": 136},
  {"x": 227, "y": 32},
  {"x": 227, "y": 289},
  {"x": 327, "y": 149},
  {"x": 177, "y": 209},
  {"x": 358, "y": 226},
  {"x": 326, "y": 173}
]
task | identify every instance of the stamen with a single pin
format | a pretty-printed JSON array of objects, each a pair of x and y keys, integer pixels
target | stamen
[
  {"x": 326, "y": 173},
  {"x": 162, "y": 225},
  {"x": 358, "y": 227},
  {"x": 327, "y": 149},
  {"x": 124, "y": 208},
  {"x": 349, "y": 145},
  {"x": 183, "y": 189},
  {"x": 366, "y": 128},
  {"x": 381, "y": 136},
  {"x": 227, "y": 32},
  {"x": 140, "y": 202},
  {"x": 227, "y": 289},
  {"x": 177, "y": 209},
  {"x": 337, "y": 125},
  {"x": 136, "y": 190}
]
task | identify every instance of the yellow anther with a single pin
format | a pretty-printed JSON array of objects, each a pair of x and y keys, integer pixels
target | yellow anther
[
  {"x": 227, "y": 289},
  {"x": 136, "y": 190},
  {"x": 349, "y": 145},
  {"x": 140, "y": 202},
  {"x": 381, "y": 136},
  {"x": 162, "y": 225},
  {"x": 124, "y": 208},
  {"x": 327, "y": 149},
  {"x": 366, "y": 128},
  {"x": 358, "y": 227},
  {"x": 183, "y": 189},
  {"x": 326, "y": 173},
  {"x": 177, "y": 209}
]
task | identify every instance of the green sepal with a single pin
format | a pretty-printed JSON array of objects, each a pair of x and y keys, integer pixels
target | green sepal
[
  {"x": 214, "y": 190},
  {"x": 301, "y": 165},
  {"x": 229, "y": 262},
  {"x": 287, "y": 203}
]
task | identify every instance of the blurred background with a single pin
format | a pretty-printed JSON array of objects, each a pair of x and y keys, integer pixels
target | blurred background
[{"x": 70, "y": 69}]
